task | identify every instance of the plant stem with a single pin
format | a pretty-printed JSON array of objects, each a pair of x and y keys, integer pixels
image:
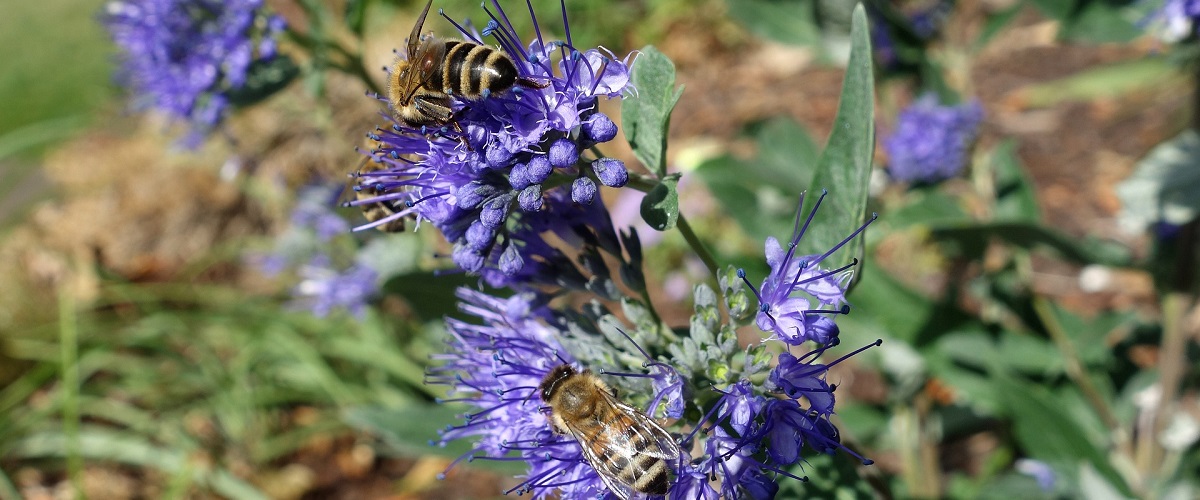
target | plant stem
[
  {"x": 68, "y": 358},
  {"x": 1075, "y": 368},
  {"x": 698, "y": 246},
  {"x": 1176, "y": 319},
  {"x": 644, "y": 184}
]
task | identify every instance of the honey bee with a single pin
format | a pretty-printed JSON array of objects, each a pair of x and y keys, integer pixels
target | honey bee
[
  {"x": 628, "y": 449},
  {"x": 419, "y": 88},
  {"x": 379, "y": 210}
]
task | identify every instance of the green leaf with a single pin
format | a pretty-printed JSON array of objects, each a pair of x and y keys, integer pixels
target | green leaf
[
  {"x": 1047, "y": 431},
  {"x": 973, "y": 239},
  {"x": 833, "y": 475},
  {"x": 1015, "y": 196},
  {"x": 660, "y": 207},
  {"x": 1110, "y": 81},
  {"x": 845, "y": 166},
  {"x": 926, "y": 208},
  {"x": 1163, "y": 187},
  {"x": 895, "y": 312},
  {"x": 1056, "y": 9},
  {"x": 263, "y": 79},
  {"x": 1100, "y": 22},
  {"x": 356, "y": 15},
  {"x": 413, "y": 430},
  {"x": 647, "y": 116},
  {"x": 760, "y": 192},
  {"x": 428, "y": 292},
  {"x": 786, "y": 21}
]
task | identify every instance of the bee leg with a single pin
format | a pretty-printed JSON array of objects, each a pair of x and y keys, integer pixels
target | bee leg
[
  {"x": 437, "y": 108},
  {"x": 462, "y": 136},
  {"x": 531, "y": 83}
]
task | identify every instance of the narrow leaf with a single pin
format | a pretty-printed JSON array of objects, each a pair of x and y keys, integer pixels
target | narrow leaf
[
  {"x": 845, "y": 166},
  {"x": 972, "y": 239},
  {"x": 647, "y": 116},
  {"x": 1015, "y": 197}
]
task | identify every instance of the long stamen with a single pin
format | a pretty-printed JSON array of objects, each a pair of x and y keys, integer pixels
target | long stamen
[
  {"x": 798, "y": 232},
  {"x": 700, "y": 424},
  {"x": 536, "y": 29},
  {"x": 460, "y": 29},
  {"x": 848, "y": 238},
  {"x": 520, "y": 50},
  {"x": 815, "y": 277},
  {"x": 741, "y": 273},
  {"x": 566, "y": 26}
]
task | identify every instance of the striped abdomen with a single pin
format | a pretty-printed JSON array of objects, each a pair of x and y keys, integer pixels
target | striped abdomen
[
  {"x": 634, "y": 455},
  {"x": 469, "y": 69}
]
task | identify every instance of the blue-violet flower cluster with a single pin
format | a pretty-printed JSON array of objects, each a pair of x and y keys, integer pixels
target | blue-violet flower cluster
[
  {"x": 749, "y": 435},
  {"x": 482, "y": 179},
  {"x": 314, "y": 247},
  {"x": 183, "y": 57},
  {"x": 932, "y": 142}
]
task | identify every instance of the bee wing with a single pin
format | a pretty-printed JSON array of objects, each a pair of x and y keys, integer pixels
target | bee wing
[
  {"x": 648, "y": 431},
  {"x": 588, "y": 444},
  {"x": 629, "y": 435},
  {"x": 414, "y": 38}
]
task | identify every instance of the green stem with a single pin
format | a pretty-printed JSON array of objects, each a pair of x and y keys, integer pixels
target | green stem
[
  {"x": 1171, "y": 367},
  {"x": 1075, "y": 368},
  {"x": 69, "y": 359},
  {"x": 698, "y": 246},
  {"x": 645, "y": 184}
]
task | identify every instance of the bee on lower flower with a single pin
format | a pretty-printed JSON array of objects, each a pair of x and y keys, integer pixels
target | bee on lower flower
[{"x": 627, "y": 448}]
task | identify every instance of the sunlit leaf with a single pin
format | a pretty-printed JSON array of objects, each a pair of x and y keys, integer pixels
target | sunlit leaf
[
  {"x": 647, "y": 115},
  {"x": 1164, "y": 186},
  {"x": 845, "y": 166}
]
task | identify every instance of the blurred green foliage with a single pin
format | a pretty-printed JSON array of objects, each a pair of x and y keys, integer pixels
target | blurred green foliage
[{"x": 58, "y": 63}]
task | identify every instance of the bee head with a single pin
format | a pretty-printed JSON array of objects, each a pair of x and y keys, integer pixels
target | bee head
[{"x": 550, "y": 384}]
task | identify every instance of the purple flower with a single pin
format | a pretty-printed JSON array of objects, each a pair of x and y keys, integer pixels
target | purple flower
[
  {"x": 496, "y": 367},
  {"x": 183, "y": 57},
  {"x": 741, "y": 406},
  {"x": 932, "y": 142},
  {"x": 789, "y": 427},
  {"x": 795, "y": 378},
  {"x": 314, "y": 211},
  {"x": 324, "y": 288},
  {"x": 668, "y": 387},
  {"x": 692, "y": 484},
  {"x": 1040, "y": 471},
  {"x": 497, "y": 362},
  {"x": 797, "y": 285},
  {"x": 505, "y": 157},
  {"x": 1176, "y": 20}
]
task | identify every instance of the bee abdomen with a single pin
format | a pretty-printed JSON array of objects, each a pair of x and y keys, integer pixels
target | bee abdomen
[
  {"x": 469, "y": 68},
  {"x": 650, "y": 475}
]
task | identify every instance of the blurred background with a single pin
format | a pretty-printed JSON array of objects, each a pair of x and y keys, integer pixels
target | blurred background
[{"x": 1038, "y": 344}]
